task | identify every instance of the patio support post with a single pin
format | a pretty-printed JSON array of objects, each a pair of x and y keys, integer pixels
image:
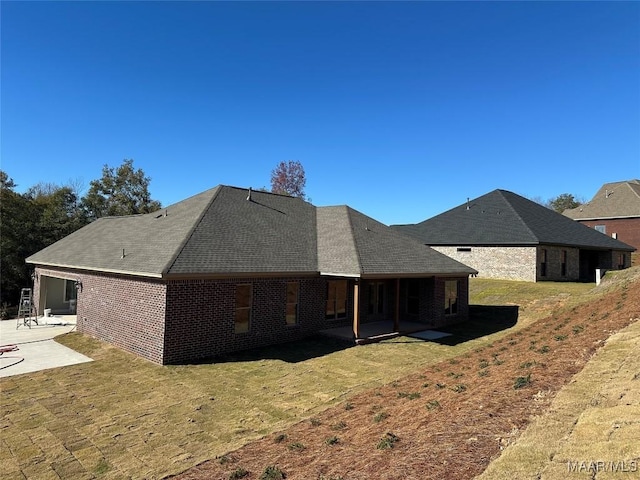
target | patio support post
[
  {"x": 396, "y": 316},
  {"x": 356, "y": 309}
]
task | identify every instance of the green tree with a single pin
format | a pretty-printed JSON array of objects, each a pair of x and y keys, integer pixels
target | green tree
[
  {"x": 57, "y": 212},
  {"x": 562, "y": 202},
  {"x": 121, "y": 191},
  {"x": 16, "y": 238},
  {"x": 288, "y": 178}
]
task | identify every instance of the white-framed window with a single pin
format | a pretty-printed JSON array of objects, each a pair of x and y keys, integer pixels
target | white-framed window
[
  {"x": 293, "y": 295},
  {"x": 244, "y": 301},
  {"x": 451, "y": 297}
]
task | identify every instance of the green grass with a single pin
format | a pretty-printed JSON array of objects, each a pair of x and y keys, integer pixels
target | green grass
[{"x": 145, "y": 419}]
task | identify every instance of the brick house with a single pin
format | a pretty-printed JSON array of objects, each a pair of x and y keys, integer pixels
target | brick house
[
  {"x": 504, "y": 235},
  {"x": 230, "y": 269},
  {"x": 614, "y": 211}
]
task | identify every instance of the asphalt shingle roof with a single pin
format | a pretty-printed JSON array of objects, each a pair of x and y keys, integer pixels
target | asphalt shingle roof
[
  {"x": 226, "y": 231},
  {"x": 501, "y": 217},
  {"x": 351, "y": 243},
  {"x": 613, "y": 200}
]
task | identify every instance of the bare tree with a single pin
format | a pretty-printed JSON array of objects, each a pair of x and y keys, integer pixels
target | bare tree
[{"x": 288, "y": 178}]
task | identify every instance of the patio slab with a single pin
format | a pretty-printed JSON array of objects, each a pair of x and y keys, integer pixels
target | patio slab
[
  {"x": 36, "y": 348},
  {"x": 373, "y": 330}
]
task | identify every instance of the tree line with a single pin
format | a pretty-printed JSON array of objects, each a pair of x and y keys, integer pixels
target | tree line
[{"x": 47, "y": 212}]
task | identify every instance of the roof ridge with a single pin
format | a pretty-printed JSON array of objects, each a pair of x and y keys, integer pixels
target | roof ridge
[
  {"x": 353, "y": 238},
  {"x": 188, "y": 236},
  {"x": 517, "y": 213}
]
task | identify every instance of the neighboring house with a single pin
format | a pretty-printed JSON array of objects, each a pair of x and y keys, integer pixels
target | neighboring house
[
  {"x": 504, "y": 235},
  {"x": 614, "y": 210},
  {"x": 230, "y": 269}
]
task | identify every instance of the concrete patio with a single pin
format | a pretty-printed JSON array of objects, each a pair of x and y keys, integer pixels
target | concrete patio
[
  {"x": 36, "y": 349},
  {"x": 373, "y": 331}
]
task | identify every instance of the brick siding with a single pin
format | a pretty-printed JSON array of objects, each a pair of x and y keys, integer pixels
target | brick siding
[
  {"x": 201, "y": 316},
  {"x": 627, "y": 229},
  {"x": 180, "y": 321},
  {"x": 127, "y": 312},
  {"x": 508, "y": 263}
]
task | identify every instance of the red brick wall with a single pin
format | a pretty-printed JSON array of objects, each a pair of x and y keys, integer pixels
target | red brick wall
[
  {"x": 200, "y": 316},
  {"x": 127, "y": 312},
  {"x": 627, "y": 229}
]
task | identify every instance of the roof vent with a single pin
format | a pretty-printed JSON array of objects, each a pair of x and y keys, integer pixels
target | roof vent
[
  {"x": 166, "y": 212},
  {"x": 468, "y": 206},
  {"x": 123, "y": 254},
  {"x": 608, "y": 193},
  {"x": 249, "y": 195}
]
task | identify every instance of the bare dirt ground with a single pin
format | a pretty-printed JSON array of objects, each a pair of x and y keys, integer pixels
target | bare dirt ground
[{"x": 448, "y": 421}]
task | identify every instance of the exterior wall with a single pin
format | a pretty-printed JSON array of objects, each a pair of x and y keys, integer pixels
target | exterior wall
[
  {"x": 127, "y": 312},
  {"x": 508, "y": 263},
  {"x": 431, "y": 302},
  {"x": 553, "y": 270},
  {"x": 627, "y": 230},
  {"x": 438, "y": 306},
  {"x": 201, "y": 316}
]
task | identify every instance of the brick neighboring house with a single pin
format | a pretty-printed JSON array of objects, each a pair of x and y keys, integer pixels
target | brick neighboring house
[
  {"x": 504, "y": 235},
  {"x": 231, "y": 269},
  {"x": 614, "y": 210}
]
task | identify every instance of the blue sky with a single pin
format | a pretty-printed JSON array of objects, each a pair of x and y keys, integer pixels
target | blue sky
[{"x": 400, "y": 110}]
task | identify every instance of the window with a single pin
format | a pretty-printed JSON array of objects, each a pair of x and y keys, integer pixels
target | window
[
  {"x": 336, "y": 299},
  {"x": 244, "y": 294},
  {"x": 70, "y": 292},
  {"x": 451, "y": 297},
  {"x": 601, "y": 228},
  {"x": 563, "y": 263},
  {"x": 622, "y": 260},
  {"x": 376, "y": 297},
  {"x": 293, "y": 292},
  {"x": 543, "y": 262},
  {"x": 413, "y": 297}
]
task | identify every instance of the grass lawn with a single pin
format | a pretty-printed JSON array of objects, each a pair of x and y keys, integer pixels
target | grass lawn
[{"x": 123, "y": 417}]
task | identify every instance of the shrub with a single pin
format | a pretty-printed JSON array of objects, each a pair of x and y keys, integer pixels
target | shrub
[
  {"x": 332, "y": 440},
  {"x": 339, "y": 426},
  {"x": 297, "y": 446},
  {"x": 238, "y": 473},
  {"x": 380, "y": 417},
  {"x": 433, "y": 404},
  {"x": 410, "y": 396},
  {"x": 272, "y": 473},
  {"x": 522, "y": 382},
  {"x": 388, "y": 441},
  {"x": 280, "y": 438}
]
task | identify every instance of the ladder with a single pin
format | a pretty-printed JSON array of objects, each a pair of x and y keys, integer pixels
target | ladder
[{"x": 26, "y": 309}]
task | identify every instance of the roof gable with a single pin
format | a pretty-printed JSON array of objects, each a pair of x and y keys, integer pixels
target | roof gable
[{"x": 501, "y": 217}]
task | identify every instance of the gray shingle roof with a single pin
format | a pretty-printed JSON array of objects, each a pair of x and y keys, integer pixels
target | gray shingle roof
[
  {"x": 220, "y": 232},
  {"x": 613, "y": 200},
  {"x": 353, "y": 244},
  {"x": 504, "y": 218}
]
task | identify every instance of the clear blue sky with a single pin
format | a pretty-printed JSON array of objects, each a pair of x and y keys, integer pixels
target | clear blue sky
[{"x": 400, "y": 110}]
